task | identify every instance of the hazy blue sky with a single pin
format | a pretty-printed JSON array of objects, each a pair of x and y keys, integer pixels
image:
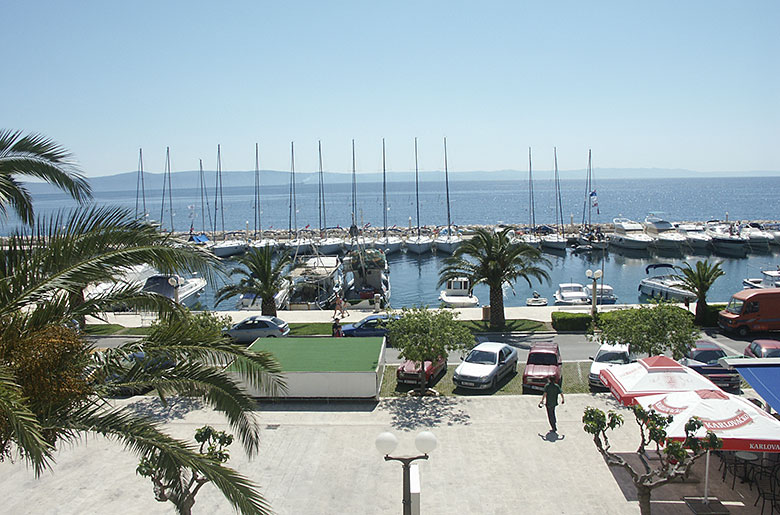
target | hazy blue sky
[{"x": 691, "y": 84}]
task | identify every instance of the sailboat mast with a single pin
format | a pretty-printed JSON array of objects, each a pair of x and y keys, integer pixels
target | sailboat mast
[
  {"x": 323, "y": 221},
  {"x": 139, "y": 186},
  {"x": 417, "y": 186},
  {"x": 221, "y": 197},
  {"x": 354, "y": 187},
  {"x": 293, "y": 219},
  {"x": 590, "y": 188},
  {"x": 558, "y": 204},
  {"x": 384, "y": 190},
  {"x": 257, "y": 189},
  {"x": 203, "y": 201},
  {"x": 531, "y": 206},
  {"x": 216, "y": 198},
  {"x": 447, "y": 186},
  {"x": 587, "y": 193},
  {"x": 170, "y": 190}
]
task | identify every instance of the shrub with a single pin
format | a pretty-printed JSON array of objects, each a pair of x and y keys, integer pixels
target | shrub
[
  {"x": 562, "y": 321},
  {"x": 711, "y": 316}
]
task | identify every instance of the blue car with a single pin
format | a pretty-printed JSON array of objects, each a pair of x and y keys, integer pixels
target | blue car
[{"x": 374, "y": 325}]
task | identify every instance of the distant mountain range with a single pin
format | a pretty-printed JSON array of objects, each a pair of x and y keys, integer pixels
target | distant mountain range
[{"x": 189, "y": 179}]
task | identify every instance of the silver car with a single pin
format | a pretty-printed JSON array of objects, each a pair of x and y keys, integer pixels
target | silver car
[
  {"x": 486, "y": 365},
  {"x": 255, "y": 327}
]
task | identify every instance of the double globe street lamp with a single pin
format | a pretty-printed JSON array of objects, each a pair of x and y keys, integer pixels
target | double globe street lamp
[
  {"x": 425, "y": 442},
  {"x": 594, "y": 291}
]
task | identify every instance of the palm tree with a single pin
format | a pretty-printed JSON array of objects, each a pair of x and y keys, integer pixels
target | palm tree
[
  {"x": 698, "y": 281},
  {"x": 35, "y": 156},
  {"x": 260, "y": 277},
  {"x": 492, "y": 258},
  {"x": 53, "y": 387}
]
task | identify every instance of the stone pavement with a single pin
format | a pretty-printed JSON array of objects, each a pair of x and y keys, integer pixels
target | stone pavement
[{"x": 494, "y": 456}]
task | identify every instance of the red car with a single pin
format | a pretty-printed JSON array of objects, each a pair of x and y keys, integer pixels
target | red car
[
  {"x": 763, "y": 349},
  {"x": 409, "y": 373},
  {"x": 544, "y": 360}
]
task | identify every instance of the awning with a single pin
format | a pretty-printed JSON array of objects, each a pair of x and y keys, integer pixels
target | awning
[{"x": 763, "y": 374}]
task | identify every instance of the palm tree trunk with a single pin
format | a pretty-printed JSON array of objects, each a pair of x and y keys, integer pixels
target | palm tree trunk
[
  {"x": 701, "y": 311},
  {"x": 497, "y": 318},
  {"x": 269, "y": 307}
]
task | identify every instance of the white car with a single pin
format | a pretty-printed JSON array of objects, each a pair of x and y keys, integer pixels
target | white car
[
  {"x": 607, "y": 356},
  {"x": 485, "y": 366},
  {"x": 252, "y": 328}
]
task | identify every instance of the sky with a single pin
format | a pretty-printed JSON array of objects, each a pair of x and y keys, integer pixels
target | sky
[{"x": 668, "y": 84}]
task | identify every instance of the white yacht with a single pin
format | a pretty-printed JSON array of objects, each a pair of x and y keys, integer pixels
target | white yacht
[
  {"x": 570, "y": 294},
  {"x": 132, "y": 276},
  {"x": 605, "y": 294},
  {"x": 664, "y": 286},
  {"x": 419, "y": 244},
  {"x": 629, "y": 235},
  {"x": 264, "y": 243},
  {"x": 299, "y": 246},
  {"x": 182, "y": 290},
  {"x": 388, "y": 244},
  {"x": 768, "y": 279},
  {"x": 663, "y": 233},
  {"x": 228, "y": 248},
  {"x": 457, "y": 294},
  {"x": 726, "y": 237},
  {"x": 329, "y": 245},
  {"x": 447, "y": 243},
  {"x": 554, "y": 241},
  {"x": 757, "y": 237},
  {"x": 695, "y": 236}
]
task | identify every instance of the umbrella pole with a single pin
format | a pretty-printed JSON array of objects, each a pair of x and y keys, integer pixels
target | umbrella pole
[{"x": 706, "y": 478}]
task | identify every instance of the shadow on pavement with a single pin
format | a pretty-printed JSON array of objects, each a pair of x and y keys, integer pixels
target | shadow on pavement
[
  {"x": 174, "y": 408},
  {"x": 337, "y": 405},
  {"x": 551, "y": 436},
  {"x": 410, "y": 413}
]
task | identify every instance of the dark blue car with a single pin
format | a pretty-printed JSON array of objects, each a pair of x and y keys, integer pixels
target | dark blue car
[{"x": 373, "y": 325}]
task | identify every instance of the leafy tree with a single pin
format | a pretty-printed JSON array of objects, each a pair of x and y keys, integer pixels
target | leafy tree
[
  {"x": 698, "y": 281},
  {"x": 675, "y": 460},
  {"x": 33, "y": 155},
  {"x": 181, "y": 487},
  {"x": 260, "y": 277},
  {"x": 492, "y": 258},
  {"x": 650, "y": 329},
  {"x": 421, "y": 334}
]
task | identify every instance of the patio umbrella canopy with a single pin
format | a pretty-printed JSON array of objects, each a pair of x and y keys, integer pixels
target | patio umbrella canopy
[
  {"x": 652, "y": 376},
  {"x": 738, "y": 422}
]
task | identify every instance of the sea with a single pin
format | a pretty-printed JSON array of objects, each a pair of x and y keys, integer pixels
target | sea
[{"x": 414, "y": 278}]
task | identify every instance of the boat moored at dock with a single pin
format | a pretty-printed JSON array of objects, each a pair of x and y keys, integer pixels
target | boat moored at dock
[
  {"x": 629, "y": 235},
  {"x": 458, "y": 294},
  {"x": 571, "y": 294},
  {"x": 665, "y": 286}
]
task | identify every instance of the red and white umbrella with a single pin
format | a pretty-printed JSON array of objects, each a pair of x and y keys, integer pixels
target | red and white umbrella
[{"x": 652, "y": 376}]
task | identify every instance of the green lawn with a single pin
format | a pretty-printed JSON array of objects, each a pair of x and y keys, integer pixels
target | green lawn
[
  {"x": 322, "y": 354},
  {"x": 115, "y": 329},
  {"x": 575, "y": 380},
  {"x": 310, "y": 329}
]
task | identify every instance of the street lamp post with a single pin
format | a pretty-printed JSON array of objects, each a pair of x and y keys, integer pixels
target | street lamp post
[
  {"x": 594, "y": 291},
  {"x": 425, "y": 443}
]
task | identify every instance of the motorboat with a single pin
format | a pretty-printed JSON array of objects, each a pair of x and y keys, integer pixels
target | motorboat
[
  {"x": 665, "y": 286},
  {"x": 366, "y": 277},
  {"x": 458, "y": 294},
  {"x": 536, "y": 300},
  {"x": 768, "y": 279},
  {"x": 695, "y": 236},
  {"x": 447, "y": 243},
  {"x": 726, "y": 237},
  {"x": 530, "y": 239},
  {"x": 134, "y": 276},
  {"x": 605, "y": 294},
  {"x": 419, "y": 244},
  {"x": 663, "y": 233},
  {"x": 570, "y": 294},
  {"x": 316, "y": 283},
  {"x": 388, "y": 244},
  {"x": 228, "y": 248},
  {"x": 629, "y": 235},
  {"x": 757, "y": 237},
  {"x": 183, "y": 290},
  {"x": 554, "y": 241}
]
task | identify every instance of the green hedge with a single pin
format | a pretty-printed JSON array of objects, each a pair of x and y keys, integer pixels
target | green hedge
[
  {"x": 562, "y": 321},
  {"x": 711, "y": 317}
]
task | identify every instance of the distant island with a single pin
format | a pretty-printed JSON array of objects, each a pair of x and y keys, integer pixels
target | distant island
[{"x": 126, "y": 181}]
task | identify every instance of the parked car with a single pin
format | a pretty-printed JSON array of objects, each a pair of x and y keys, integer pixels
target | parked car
[
  {"x": 703, "y": 358},
  {"x": 486, "y": 365},
  {"x": 259, "y": 326},
  {"x": 136, "y": 364},
  {"x": 607, "y": 356},
  {"x": 408, "y": 372},
  {"x": 763, "y": 349},
  {"x": 373, "y": 325},
  {"x": 544, "y": 360}
]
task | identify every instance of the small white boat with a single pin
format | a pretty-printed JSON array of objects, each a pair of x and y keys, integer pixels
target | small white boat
[
  {"x": 536, "y": 300},
  {"x": 593, "y": 238},
  {"x": 726, "y": 238},
  {"x": 757, "y": 237},
  {"x": 255, "y": 302},
  {"x": 329, "y": 245},
  {"x": 570, "y": 294},
  {"x": 388, "y": 244},
  {"x": 530, "y": 239},
  {"x": 554, "y": 241},
  {"x": 629, "y": 235},
  {"x": 664, "y": 286},
  {"x": 605, "y": 294},
  {"x": 663, "y": 233},
  {"x": 457, "y": 294},
  {"x": 264, "y": 243},
  {"x": 447, "y": 243},
  {"x": 768, "y": 279},
  {"x": 695, "y": 236},
  {"x": 228, "y": 248},
  {"x": 419, "y": 244},
  {"x": 182, "y": 290}
]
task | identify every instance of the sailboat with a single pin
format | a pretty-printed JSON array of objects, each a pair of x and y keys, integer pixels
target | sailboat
[
  {"x": 140, "y": 190},
  {"x": 590, "y": 236},
  {"x": 556, "y": 240},
  {"x": 167, "y": 181},
  {"x": 201, "y": 238},
  {"x": 357, "y": 239},
  {"x": 295, "y": 244},
  {"x": 418, "y": 244},
  {"x": 447, "y": 242},
  {"x": 224, "y": 248},
  {"x": 260, "y": 242},
  {"x": 325, "y": 244},
  {"x": 388, "y": 244},
  {"x": 530, "y": 238}
]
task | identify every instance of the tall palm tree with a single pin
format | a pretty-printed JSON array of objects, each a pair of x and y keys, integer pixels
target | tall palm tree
[
  {"x": 36, "y": 156},
  {"x": 42, "y": 271},
  {"x": 260, "y": 277},
  {"x": 492, "y": 258},
  {"x": 698, "y": 281}
]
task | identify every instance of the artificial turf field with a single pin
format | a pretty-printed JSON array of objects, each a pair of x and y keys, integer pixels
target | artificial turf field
[{"x": 322, "y": 354}]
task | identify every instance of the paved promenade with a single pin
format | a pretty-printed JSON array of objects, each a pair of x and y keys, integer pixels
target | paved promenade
[{"x": 495, "y": 456}]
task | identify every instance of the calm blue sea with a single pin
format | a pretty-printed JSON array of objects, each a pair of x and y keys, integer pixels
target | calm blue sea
[{"x": 414, "y": 278}]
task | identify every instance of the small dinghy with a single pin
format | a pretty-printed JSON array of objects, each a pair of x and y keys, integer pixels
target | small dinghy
[
  {"x": 536, "y": 300},
  {"x": 458, "y": 294}
]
